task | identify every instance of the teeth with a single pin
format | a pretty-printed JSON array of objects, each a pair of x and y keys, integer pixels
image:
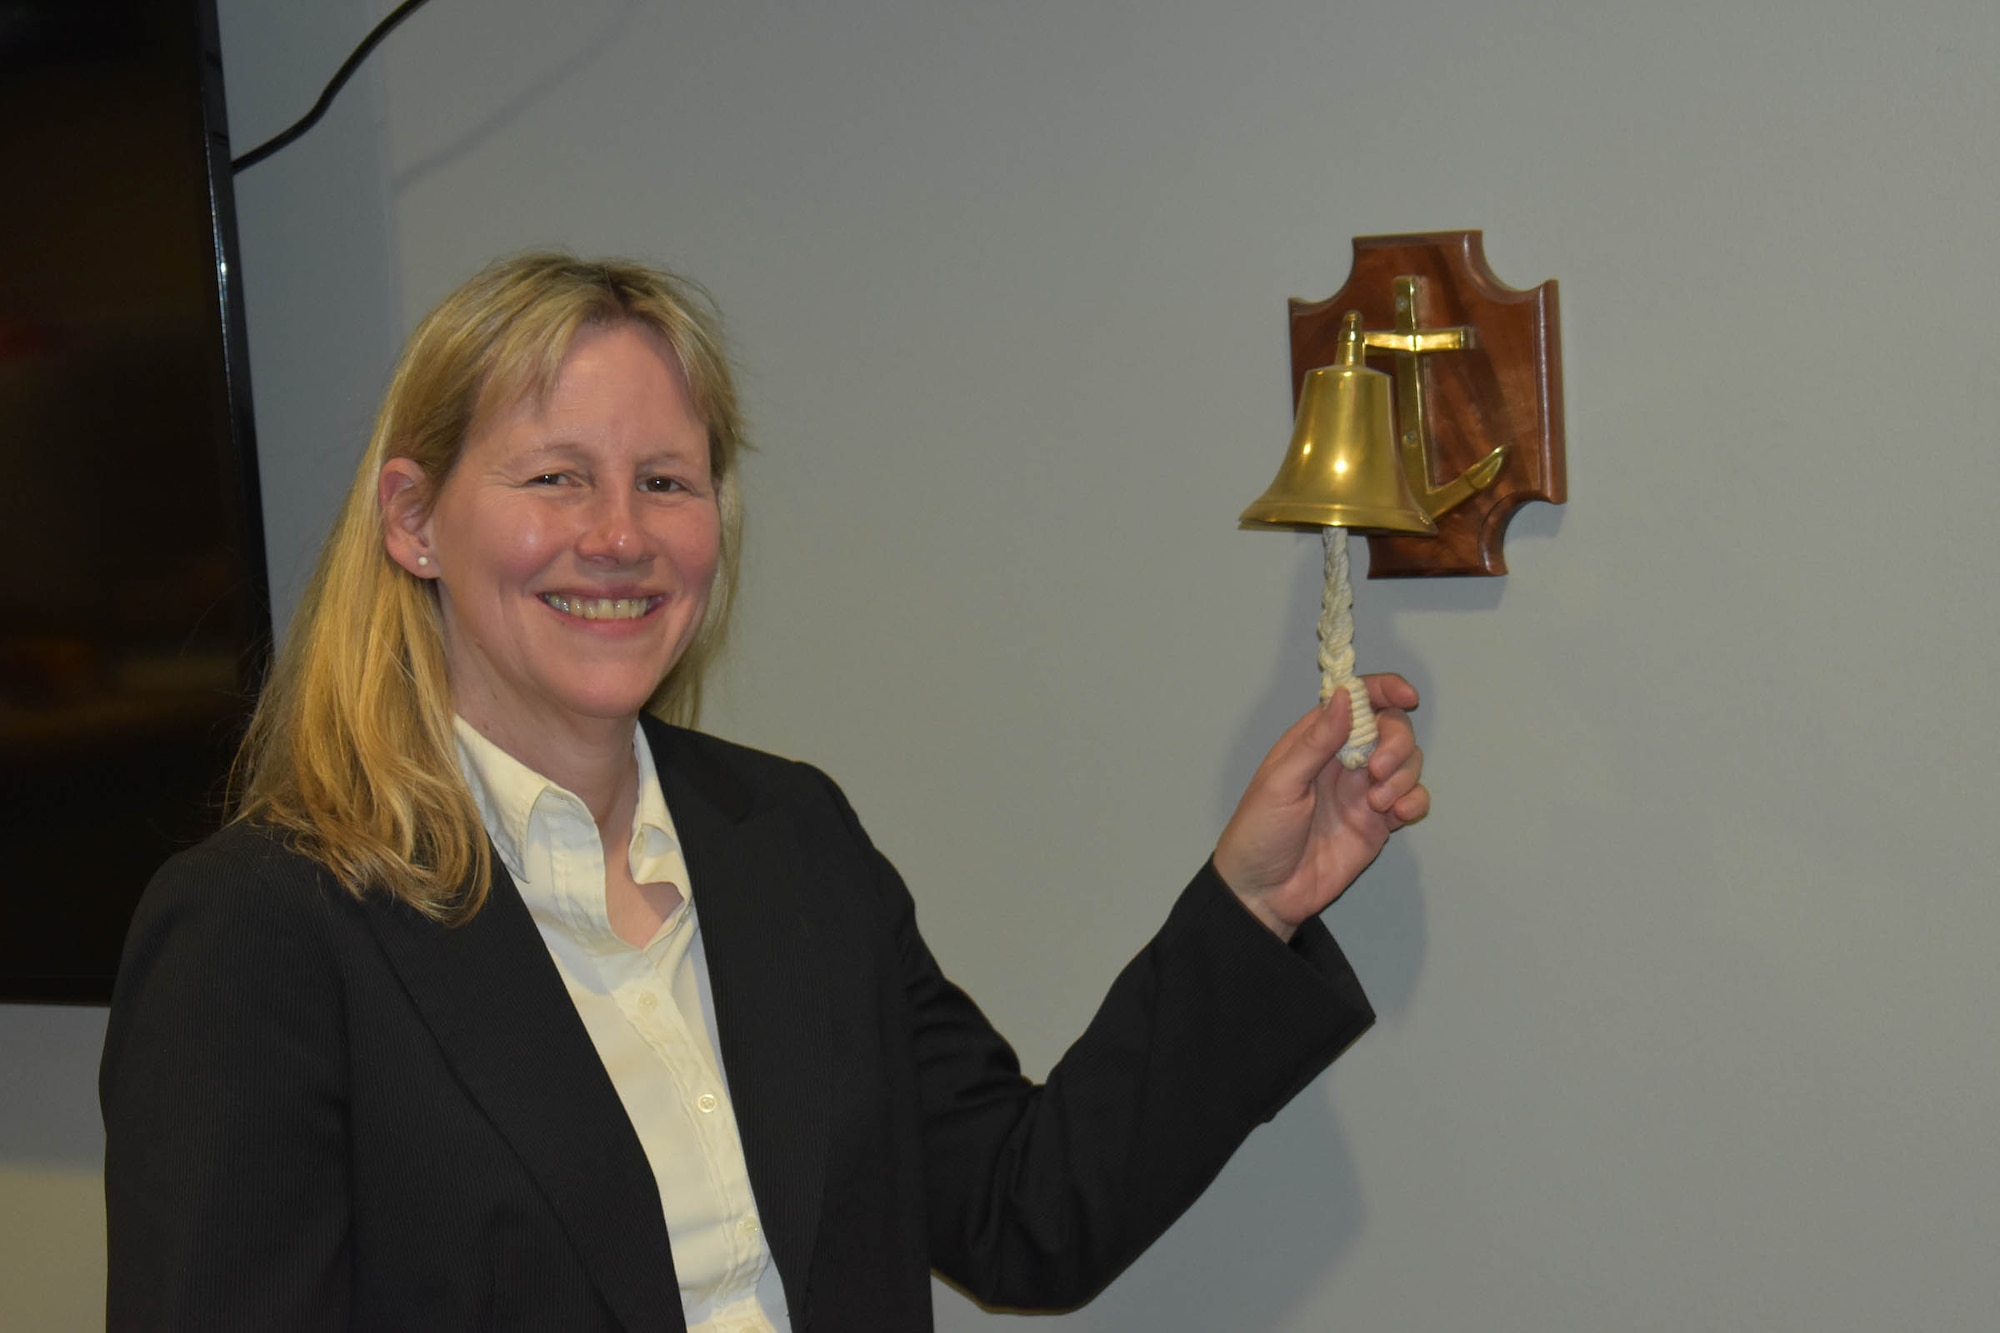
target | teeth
[{"x": 599, "y": 608}]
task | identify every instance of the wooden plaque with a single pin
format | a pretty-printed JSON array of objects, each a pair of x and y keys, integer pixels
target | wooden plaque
[{"x": 1506, "y": 389}]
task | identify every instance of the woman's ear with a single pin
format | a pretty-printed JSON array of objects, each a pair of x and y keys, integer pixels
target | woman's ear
[{"x": 400, "y": 492}]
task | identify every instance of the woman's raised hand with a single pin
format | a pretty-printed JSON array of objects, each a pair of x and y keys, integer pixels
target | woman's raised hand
[{"x": 1306, "y": 827}]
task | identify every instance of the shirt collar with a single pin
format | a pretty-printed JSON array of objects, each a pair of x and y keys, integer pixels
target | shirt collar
[
  {"x": 655, "y": 849},
  {"x": 506, "y": 791}
]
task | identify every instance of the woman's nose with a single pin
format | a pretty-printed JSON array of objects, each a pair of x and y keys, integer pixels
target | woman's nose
[{"x": 613, "y": 533}]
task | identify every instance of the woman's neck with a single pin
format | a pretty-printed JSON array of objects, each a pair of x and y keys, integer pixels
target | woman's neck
[{"x": 591, "y": 757}]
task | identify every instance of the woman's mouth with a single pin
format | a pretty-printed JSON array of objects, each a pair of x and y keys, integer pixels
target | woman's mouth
[{"x": 600, "y": 608}]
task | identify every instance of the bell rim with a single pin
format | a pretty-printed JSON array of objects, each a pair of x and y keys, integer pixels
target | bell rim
[{"x": 1298, "y": 516}]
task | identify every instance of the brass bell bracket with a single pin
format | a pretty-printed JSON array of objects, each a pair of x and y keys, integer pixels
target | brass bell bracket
[
  {"x": 1487, "y": 419},
  {"x": 1348, "y": 468},
  {"x": 1408, "y": 343}
]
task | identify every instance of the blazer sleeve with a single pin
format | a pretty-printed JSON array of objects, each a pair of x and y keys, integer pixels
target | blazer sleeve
[
  {"x": 1037, "y": 1196},
  {"x": 222, "y": 1086}
]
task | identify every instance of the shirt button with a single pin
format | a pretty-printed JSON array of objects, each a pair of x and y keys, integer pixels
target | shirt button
[
  {"x": 748, "y": 1226},
  {"x": 648, "y": 1001},
  {"x": 706, "y": 1102}
]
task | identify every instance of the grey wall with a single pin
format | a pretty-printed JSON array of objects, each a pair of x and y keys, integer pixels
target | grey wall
[{"x": 1685, "y": 988}]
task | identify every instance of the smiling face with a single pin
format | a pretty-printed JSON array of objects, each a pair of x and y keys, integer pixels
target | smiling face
[{"x": 573, "y": 543}]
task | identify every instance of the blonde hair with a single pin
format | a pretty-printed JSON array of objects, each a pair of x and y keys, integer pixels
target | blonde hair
[{"x": 351, "y": 750}]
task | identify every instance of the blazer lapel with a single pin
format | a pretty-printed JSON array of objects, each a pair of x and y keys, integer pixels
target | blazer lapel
[
  {"x": 492, "y": 996},
  {"x": 751, "y": 885}
]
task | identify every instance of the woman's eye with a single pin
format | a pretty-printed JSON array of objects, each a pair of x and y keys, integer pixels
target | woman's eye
[
  {"x": 547, "y": 479},
  {"x": 662, "y": 485}
]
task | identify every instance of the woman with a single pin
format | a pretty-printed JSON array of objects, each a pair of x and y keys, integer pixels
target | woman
[{"x": 506, "y": 1004}]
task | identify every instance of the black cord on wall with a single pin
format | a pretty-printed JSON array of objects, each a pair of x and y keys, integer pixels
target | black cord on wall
[{"x": 340, "y": 78}]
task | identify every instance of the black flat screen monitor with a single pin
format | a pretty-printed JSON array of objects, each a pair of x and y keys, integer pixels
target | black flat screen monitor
[{"x": 134, "y": 610}]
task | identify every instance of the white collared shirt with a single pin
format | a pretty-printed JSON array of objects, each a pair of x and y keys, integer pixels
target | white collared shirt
[{"x": 651, "y": 1015}]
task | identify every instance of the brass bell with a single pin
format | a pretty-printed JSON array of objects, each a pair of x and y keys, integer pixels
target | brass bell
[{"x": 1342, "y": 470}]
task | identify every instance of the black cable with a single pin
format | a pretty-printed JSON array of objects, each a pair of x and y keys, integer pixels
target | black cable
[{"x": 340, "y": 77}]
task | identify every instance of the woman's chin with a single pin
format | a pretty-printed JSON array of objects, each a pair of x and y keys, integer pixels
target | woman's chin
[{"x": 588, "y": 702}]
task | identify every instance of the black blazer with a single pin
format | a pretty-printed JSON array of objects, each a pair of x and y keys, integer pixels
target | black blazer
[{"x": 328, "y": 1113}]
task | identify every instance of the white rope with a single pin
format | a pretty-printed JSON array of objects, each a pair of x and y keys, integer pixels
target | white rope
[{"x": 1336, "y": 651}]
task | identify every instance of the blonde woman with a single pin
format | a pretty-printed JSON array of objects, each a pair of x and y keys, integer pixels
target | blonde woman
[{"x": 509, "y": 1002}]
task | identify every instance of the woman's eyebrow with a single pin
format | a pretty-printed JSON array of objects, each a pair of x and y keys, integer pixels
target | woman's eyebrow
[{"x": 545, "y": 449}]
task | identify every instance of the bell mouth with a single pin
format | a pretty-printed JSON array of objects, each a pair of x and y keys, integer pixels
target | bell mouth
[{"x": 1304, "y": 516}]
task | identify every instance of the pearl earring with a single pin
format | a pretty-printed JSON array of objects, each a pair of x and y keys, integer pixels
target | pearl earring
[{"x": 423, "y": 560}]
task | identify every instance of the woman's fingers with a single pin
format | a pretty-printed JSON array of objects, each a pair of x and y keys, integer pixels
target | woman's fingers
[
  {"x": 1396, "y": 770},
  {"x": 1389, "y": 690}
]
